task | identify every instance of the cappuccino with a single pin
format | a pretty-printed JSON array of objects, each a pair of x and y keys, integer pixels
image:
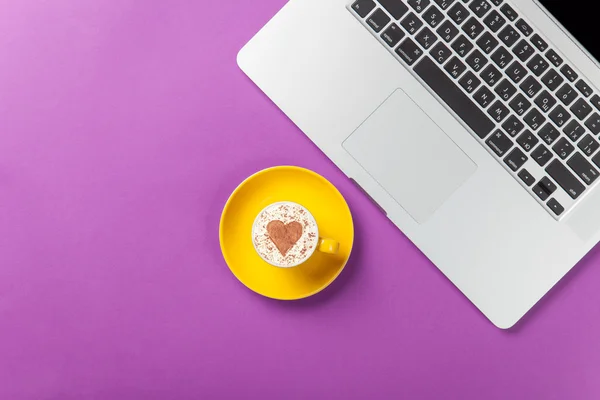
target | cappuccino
[{"x": 285, "y": 234}]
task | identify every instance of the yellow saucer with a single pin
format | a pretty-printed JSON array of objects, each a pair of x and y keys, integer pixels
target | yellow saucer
[{"x": 301, "y": 186}]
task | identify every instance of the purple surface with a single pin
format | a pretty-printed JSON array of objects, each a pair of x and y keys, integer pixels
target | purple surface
[{"x": 124, "y": 126}]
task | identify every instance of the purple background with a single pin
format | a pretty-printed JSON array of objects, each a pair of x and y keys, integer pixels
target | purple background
[{"x": 124, "y": 126}]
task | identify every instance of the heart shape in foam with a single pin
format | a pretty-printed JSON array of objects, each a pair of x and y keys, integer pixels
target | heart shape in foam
[{"x": 284, "y": 236}]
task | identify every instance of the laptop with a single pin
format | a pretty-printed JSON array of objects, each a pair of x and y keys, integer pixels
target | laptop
[{"x": 473, "y": 125}]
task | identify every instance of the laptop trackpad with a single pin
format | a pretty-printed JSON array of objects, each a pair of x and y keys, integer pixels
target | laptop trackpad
[{"x": 409, "y": 156}]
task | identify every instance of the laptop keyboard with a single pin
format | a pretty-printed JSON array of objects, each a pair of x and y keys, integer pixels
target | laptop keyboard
[{"x": 520, "y": 98}]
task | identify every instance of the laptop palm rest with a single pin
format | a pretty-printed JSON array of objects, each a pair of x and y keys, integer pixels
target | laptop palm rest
[{"x": 410, "y": 156}]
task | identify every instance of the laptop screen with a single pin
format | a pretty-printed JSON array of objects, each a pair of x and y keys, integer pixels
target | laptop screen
[{"x": 580, "y": 19}]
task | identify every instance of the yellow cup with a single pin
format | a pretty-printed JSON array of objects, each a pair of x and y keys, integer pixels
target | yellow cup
[{"x": 282, "y": 250}]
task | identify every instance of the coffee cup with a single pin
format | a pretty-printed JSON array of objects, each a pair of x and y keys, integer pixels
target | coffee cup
[{"x": 285, "y": 234}]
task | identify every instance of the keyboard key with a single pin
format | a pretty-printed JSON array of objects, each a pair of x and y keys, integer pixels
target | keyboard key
[
  {"x": 527, "y": 140},
  {"x": 426, "y": 38},
  {"x": 539, "y": 42},
  {"x": 574, "y": 131},
  {"x": 392, "y": 35},
  {"x": 509, "y": 35},
  {"x": 547, "y": 185},
  {"x": 472, "y": 28},
  {"x": 555, "y": 206},
  {"x": 396, "y": 8},
  {"x": 540, "y": 192},
  {"x": 484, "y": 97},
  {"x": 480, "y": 7},
  {"x": 545, "y": 101},
  {"x": 458, "y": 13},
  {"x": 447, "y": 31},
  {"x": 440, "y": 53},
  {"x": 530, "y": 86},
  {"x": 469, "y": 82},
  {"x": 494, "y": 21},
  {"x": 378, "y": 20},
  {"x": 363, "y": 7},
  {"x": 490, "y": 75},
  {"x": 455, "y": 67},
  {"x": 554, "y": 58},
  {"x": 462, "y": 45},
  {"x": 498, "y": 111},
  {"x": 523, "y": 50},
  {"x": 549, "y": 134},
  {"x": 566, "y": 94},
  {"x": 588, "y": 145},
  {"x": 476, "y": 60},
  {"x": 516, "y": 72},
  {"x": 499, "y": 143},
  {"x": 563, "y": 148},
  {"x": 433, "y": 16},
  {"x": 444, "y": 3},
  {"x": 565, "y": 179},
  {"x": 523, "y": 27},
  {"x": 418, "y": 5},
  {"x": 487, "y": 42},
  {"x": 559, "y": 115},
  {"x": 583, "y": 169},
  {"x": 552, "y": 79},
  {"x": 411, "y": 23},
  {"x": 409, "y": 51},
  {"x": 568, "y": 72},
  {"x": 583, "y": 88},
  {"x": 541, "y": 155},
  {"x": 513, "y": 126},
  {"x": 509, "y": 12},
  {"x": 497, "y": 2},
  {"x": 534, "y": 119},
  {"x": 581, "y": 109},
  {"x": 596, "y": 101},
  {"x": 593, "y": 123},
  {"x": 520, "y": 104},
  {"x": 526, "y": 177},
  {"x": 516, "y": 159},
  {"x": 544, "y": 189},
  {"x": 502, "y": 57},
  {"x": 459, "y": 102},
  {"x": 596, "y": 160},
  {"x": 505, "y": 90},
  {"x": 538, "y": 65}
]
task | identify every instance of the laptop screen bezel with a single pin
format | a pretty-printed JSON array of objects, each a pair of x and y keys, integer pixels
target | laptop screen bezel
[{"x": 569, "y": 33}]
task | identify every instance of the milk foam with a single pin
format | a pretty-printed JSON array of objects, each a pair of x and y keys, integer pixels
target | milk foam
[{"x": 285, "y": 212}]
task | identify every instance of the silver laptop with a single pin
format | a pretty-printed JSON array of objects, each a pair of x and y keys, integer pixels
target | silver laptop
[{"x": 474, "y": 125}]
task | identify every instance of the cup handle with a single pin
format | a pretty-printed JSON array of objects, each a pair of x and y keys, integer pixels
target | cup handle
[{"x": 328, "y": 246}]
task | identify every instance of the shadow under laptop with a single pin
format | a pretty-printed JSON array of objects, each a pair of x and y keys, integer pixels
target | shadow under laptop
[{"x": 555, "y": 293}]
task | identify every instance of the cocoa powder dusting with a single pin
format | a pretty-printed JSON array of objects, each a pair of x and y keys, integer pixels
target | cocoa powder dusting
[{"x": 285, "y": 234}]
